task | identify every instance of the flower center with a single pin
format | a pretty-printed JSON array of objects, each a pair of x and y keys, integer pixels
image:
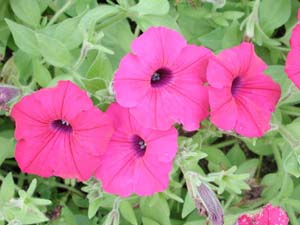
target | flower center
[
  {"x": 236, "y": 84},
  {"x": 139, "y": 145},
  {"x": 161, "y": 77},
  {"x": 62, "y": 125}
]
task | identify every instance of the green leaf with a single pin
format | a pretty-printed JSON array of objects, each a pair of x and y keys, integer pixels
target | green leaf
[
  {"x": 156, "y": 208},
  {"x": 216, "y": 159},
  {"x": 151, "y": 7},
  {"x": 233, "y": 15},
  {"x": 41, "y": 74},
  {"x": 147, "y": 21},
  {"x": 31, "y": 188},
  {"x": 213, "y": 39},
  {"x": 97, "y": 14},
  {"x": 68, "y": 33},
  {"x": 127, "y": 212},
  {"x": 188, "y": 206},
  {"x": 93, "y": 207},
  {"x": 292, "y": 163},
  {"x": 24, "y": 37},
  {"x": 54, "y": 51},
  {"x": 27, "y": 10},
  {"x": 68, "y": 216},
  {"x": 236, "y": 155},
  {"x": 249, "y": 166},
  {"x": 272, "y": 183},
  {"x": 148, "y": 221},
  {"x": 7, "y": 189},
  {"x": 7, "y": 146},
  {"x": 274, "y": 14},
  {"x": 232, "y": 36}
]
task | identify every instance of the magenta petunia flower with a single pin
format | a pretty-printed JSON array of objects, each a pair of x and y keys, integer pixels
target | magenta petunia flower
[
  {"x": 138, "y": 160},
  {"x": 60, "y": 133},
  {"x": 292, "y": 66},
  {"x": 241, "y": 97},
  {"x": 269, "y": 215},
  {"x": 245, "y": 220},
  {"x": 161, "y": 81}
]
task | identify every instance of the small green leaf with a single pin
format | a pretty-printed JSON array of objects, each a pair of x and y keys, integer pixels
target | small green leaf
[
  {"x": 127, "y": 212},
  {"x": 148, "y": 221},
  {"x": 93, "y": 207},
  {"x": 68, "y": 216},
  {"x": 7, "y": 189},
  {"x": 249, "y": 166},
  {"x": 41, "y": 73},
  {"x": 236, "y": 155},
  {"x": 31, "y": 188},
  {"x": 188, "y": 206},
  {"x": 151, "y": 7},
  {"x": 147, "y": 21},
  {"x": 54, "y": 51},
  {"x": 24, "y": 37},
  {"x": 27, "y": 10},
  {"x": 156, "y": 208},
  {"x": 7, "y": 146}
]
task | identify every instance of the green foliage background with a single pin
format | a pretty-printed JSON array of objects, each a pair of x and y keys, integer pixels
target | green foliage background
[{"x": 43, "y": 41}]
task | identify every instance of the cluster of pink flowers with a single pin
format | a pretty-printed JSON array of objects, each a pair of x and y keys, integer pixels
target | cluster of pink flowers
[
  {"x": 130, "y": 148},
  {"x": 269, "y": 215}
]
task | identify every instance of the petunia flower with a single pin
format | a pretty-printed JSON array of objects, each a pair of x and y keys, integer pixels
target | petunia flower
[
  {"x": 241, "y": 97},
  {"x": 292, "y": 66},
  {"x": 162, "y": 80},
  {"x": 138, "y": 160},
  {"x": 60, "y": 133},
  {"x": 269, "y": 215}
]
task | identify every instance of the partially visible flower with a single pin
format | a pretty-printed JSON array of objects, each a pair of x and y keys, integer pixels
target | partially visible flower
[
  {"x": 138, "y": 160},
  {"x": 162, "y": 81},
  {"x": 60, "y": 133},
  {"x": 271, "y": 215},
  {"x": 241, "y": 97},
  {"x": 245, "y": 220},
  {"x": 292, "y": 66}
]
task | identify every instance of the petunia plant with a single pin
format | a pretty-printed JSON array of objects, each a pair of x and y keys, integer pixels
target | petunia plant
[{"x": 169, "y": 112}]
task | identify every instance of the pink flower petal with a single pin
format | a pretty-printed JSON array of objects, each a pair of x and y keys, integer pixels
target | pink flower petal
[
  {"x": 272, "y": 215},
  {"x": 221, "y": 106},
  {"x": 245, "y": 220},
  {"x": 292, "y": 67},
  {"x": 155, "y": 50},
  {"x": 132, "y": 81},
  {"x": 253, "y": 120}
]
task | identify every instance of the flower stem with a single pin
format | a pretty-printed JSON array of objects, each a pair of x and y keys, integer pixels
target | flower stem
[
  {"x": 224, "y": 143},
  {"x": 59, "y": 12},
  {"x": 114, "y": 19}
]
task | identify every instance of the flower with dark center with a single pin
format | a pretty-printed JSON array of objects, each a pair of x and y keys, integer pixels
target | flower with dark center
[
  {"x": 162, "y": 80},
  {"x": 242, "y": 98},
  {"x": 138, "y": 159},
  {"x": 60, "y": 133}
]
